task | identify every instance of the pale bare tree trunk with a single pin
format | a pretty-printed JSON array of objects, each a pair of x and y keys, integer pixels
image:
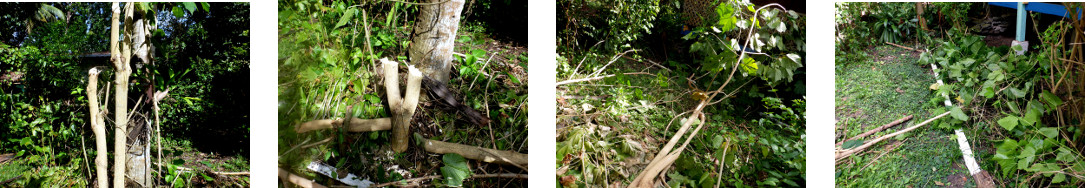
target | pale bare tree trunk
[
  {"x": 97, "y": 122},
  {"x": 120, "y": 63},
  {"x": 120, "y": 52},
  {"x": 434, "y": 37}
]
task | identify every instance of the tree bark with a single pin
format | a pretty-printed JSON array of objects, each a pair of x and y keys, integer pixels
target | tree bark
[
  {"x": 434, "y": 37},
  {"x": 97, "y": 122},
  {"x": 137, "y": 30}
]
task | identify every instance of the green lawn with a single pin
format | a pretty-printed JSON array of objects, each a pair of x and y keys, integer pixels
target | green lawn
[{"x": 880, "y": 87}]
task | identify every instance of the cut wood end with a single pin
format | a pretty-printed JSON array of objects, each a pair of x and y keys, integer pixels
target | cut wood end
[
  {"x": 414, "y": 72},
  {"x": 387, "y": 62},
  {"x": 94, "y": 71}
]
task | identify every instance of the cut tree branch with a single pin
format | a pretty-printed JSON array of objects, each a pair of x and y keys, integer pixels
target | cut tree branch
[
  {"x": 356, "y": 125},
  {"x": 841, "y": 155},
  {"x": 473, "y": 152},
  {"x": 876, "y": 130},
  {"x": 97, "y": 122},
  {"x": 298, "y": 180}
]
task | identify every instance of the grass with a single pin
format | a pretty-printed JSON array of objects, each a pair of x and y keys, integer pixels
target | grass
[{"x": 878, "y": 87}]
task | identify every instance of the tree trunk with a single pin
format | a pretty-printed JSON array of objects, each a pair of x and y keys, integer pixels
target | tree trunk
[
  {"x": 434, "y": 37},
  {"x": 120, "y": 63},
  {"x": 101, "y": 162}
]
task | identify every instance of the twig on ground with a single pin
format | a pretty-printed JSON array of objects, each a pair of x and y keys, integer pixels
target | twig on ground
[
  {"x": 612, "y": 60},
  {"x": 905, "y": 47},
  {"x": 597, "y": 78}
]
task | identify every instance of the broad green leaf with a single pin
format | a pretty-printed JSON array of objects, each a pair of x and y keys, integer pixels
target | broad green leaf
[
  {"x": 1050, "y": 98},
  {"x": 206, "y": 6},
  {"x": 1049, "y": 132},
  {"x": 1008, "y": 122},
  {"x": 1007, "y": 147},
  {"x": 177, "y": 12},
  {"x": 1064, "y": 155},
  {"x": 190, "y": 6},
  {"x": 1059, "y": 178},
  {"x": 1031, "y": 117},
  {"x": 453, "y": 177},
  {"x": 852, "y": 144},
  {"x": 1027, "y": 152},
  {"x": 347, "y": 16},
  {"x": 958, "y": 114},
  {"x": 1015, "y": 93},
  {"x": 455, "y": 169},
  {"x": 717, "y": 141}
]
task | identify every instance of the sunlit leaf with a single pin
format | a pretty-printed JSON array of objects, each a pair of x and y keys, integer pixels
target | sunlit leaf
[
  {"x": 1008, "y": 122},
  {"x": 958, "y": 114},
  {"x": 190, "y": 6}
]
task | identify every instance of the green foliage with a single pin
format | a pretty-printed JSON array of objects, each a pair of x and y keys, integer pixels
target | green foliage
[
  {"x": 859, "y": 22},
  {"x": 47, "y": 102},
  {"x": 455, "y": 170},
  {"x": 617, "y": 23},
  {"x": 757, "y": 52},
  {"x": 955, "y": 12},
  {"x": 1030, "y": 146},
  {"x": 757, "y": 132}
]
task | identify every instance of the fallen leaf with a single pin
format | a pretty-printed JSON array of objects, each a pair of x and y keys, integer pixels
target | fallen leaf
[
  {"x": 899, "y": 90},
  {"x": 939, "y": 183}
]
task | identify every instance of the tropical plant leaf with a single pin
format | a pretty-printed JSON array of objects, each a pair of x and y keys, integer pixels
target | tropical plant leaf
[
  {"x": 958, "y": 114},
  {"x": 1008, "y": 122},
  {"x": 177, "y": 12},
  {"x": 1050, "y": 98},
  {"x": 190, "y": 6},
  {"x": 1049, "y": 132},
  {"x": 852, "y": 143},
  {"x": 347, "y": 16},
  {"x": 455, "y": 170}
]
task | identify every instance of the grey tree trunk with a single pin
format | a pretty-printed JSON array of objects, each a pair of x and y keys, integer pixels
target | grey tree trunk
[
  {"x": 434, "y": 37},
  {"x": 137, "y": 32}
]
